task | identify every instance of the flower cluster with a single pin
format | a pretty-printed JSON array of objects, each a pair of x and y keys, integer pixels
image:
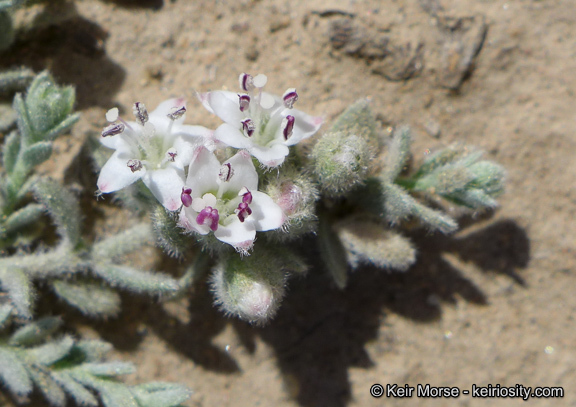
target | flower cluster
[{"x": 178, "y": 164}]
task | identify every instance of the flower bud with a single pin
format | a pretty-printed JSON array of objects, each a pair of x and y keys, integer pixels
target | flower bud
[
  {"x": 340, "y": 162},
  {"x": 296, "y": 194},
  {"x": 251, "y": 287}
]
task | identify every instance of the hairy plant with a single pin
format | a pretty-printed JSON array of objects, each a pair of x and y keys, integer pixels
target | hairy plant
[
  {"x": 350, "y": 188},
  {"x": 83, "y": 273},
  {"x": 64, "y": 368}
]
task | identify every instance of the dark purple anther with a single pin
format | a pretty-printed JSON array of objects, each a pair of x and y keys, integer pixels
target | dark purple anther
[
  {"x": 210, "y": 215},
  {"x": 226, "y": 172},
  {"x": 140, "y": 113},
  {"x": 113, "y": 129},
  {"x": 177, "y": 113},
  {"x": 290, "y": 97},
  {"x": 246, "y": 82},
  {"x": 248, "y": 127},
  {"x": 289, "y": 126},
  {"x": 186, "y": 196},
  {"x": 171, "y": 154},
  {"x": 243, "y": 211},
  {"x": 247, "y": 197},
  {"x": 134, "y": 165},
  {"x": 244, "y": 102}
]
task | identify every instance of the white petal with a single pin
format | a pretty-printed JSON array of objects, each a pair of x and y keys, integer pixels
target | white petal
[
  {"x": 166, "y": 185},
  {"x": 244, "y": 175},
  {"x": 193, "y": 131},
  {"x": 266, "y": 214},
  {"x": 223, "y": 104},
  {"x": 203, "y": 172},
  {"x": 232, "y": 136},
  {"x": 304, "y": 126},
  {"x": 167, "y": 107},
  {"x": 115, "y": 174},
  {"x": 272, "y": 156},
  {"x": 238, "y": 234},
  {"x": 187, "y": 220}
]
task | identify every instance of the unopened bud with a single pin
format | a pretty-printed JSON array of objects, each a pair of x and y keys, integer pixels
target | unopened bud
[{"x": 251, "y": 287}]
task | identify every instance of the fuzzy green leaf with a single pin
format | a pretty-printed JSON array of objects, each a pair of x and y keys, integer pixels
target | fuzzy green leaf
[
  {"x": 13, "y": 373},
  {"x": 19, "y": 289},
  {"x": 357, "y": 119},
  {"x": 24, "y": 123},
  {"x": 51, "y": 352},
  {"x": 160, "y": 394},
  {"x": 116, "y": 395},
  {"x": 10, "y": 151},
  {"x": 35, "y": 332},
  {"x": 397, "y": 154},
  {"x": 58, "y": 262},
  {"x": 15, "y": 80},
  {"x": 441, "y": 158},
  {"x": 488, "y": 177},
  {"x": 48, "y": 105},
  {"x": 136, "y": 280},
  {"x": 169, "y": 235},
  {"x": 113, "y": 394},
  {"x": 369, "y": 242},
  {"x": 88, "y": 297},
  {"x": 78, "y": 392},
  {"x": 473, "y": 199},
  {"x": 93, "y": 350},
  {"x": 62, "y": 127},
  {"x": 22, "y": 218},
  {"x": 37, "y": 153},
  {"x": 445, "y": 180},
  {"x": 108, "y": 369},
  {"x": 49, "y": 388},
  {"x": 123, "y": 243},
  {"x": 63, "y": 207},
  {"x": 399, "y": 204}
]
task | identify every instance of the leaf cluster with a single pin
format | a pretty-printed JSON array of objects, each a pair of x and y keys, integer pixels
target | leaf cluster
[
  {"x": 365, "y": 201},
  {"x": 63, "y": 368}
]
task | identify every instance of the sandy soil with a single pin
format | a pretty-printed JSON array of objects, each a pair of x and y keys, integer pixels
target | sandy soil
[{"x": 490, "y": 305}]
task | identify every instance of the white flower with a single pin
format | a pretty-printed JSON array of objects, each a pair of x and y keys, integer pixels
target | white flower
[
  {"x": 223, "y": 198},
  {"x": 155, "y": 148},
  {"x": 263, "y": 124}
]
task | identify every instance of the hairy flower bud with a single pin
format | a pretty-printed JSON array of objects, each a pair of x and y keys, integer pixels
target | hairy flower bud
[
  {"x": 340, "y": 162},
  {"x": 250, "y": 287}
]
